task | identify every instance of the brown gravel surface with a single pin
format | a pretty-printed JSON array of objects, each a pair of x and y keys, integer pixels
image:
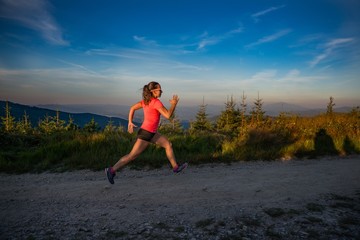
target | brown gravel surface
[{"x": 296, "y": 199}]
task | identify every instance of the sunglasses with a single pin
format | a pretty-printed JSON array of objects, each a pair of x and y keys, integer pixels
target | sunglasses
[{"x": 158, "y": 89}]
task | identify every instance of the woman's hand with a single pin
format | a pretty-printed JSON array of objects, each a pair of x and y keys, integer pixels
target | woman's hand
[
  {"x": 174, "y": 100},
  {"x": 131, "y": 127}
]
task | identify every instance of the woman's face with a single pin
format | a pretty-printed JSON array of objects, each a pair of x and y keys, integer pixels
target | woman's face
[{"x": 157, "y": 92}]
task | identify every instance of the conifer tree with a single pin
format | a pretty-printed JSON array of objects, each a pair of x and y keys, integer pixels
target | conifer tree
[
  {"x": 229, "y": 119},
  {"x": 24, "y": 126},
  {"x": 47, "y": 125},
  {"x": 92, "y": 126},
  {"x": 110, "y": 126},
  {"x": 257, "y": 112},
  {"x": 172, "y": 125},
  {"x": 59, "y": 123},
  {"x": 71, "y": 125},
  {"x": 51, "y": 124},
  {"x": 201, "y": 122},
  {"x": 243, "y": 110},
  {"x": 8, "y": 121},
  {"x": 330, "y": 106}
]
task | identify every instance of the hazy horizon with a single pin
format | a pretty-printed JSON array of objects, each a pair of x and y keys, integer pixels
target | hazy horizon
[{"x": 321, "y": 104}]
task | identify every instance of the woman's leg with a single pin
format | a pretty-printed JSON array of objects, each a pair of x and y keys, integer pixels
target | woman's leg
[
  {"x": 165, "y": 143},
  {"x": 138, "y": 148}
]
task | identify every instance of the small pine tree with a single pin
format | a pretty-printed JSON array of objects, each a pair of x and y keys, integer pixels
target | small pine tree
[
  {"x": 8, "y": 122},
  {"x": 330, "y": 106},
  {"x": 51, "y": 124},
  {"x": 257, "y": 113},
  {"x": 59, "y": 123},
  {"x": 24, "y": 126},
  {"x": 243, "y": 109},
  {"x": 71, "y": 126},
  {"x": 110, "y": 126},
  {"x": 173, "y": 125},
  {"x": 201, "y": 122},
  {"x": 47, "y": 125},
  {"x": 92, "y": 126},
  {"x": 229, "y": 119}
]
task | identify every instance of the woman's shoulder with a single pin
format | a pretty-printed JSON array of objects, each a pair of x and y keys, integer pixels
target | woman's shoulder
[
  {"x": 153, "y": 101},
  {"x": 156, "y": 102}
]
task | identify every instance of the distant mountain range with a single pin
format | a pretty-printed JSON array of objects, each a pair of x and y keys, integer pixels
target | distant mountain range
[
  {"x": 118, "y": 114},
  {"x": 37, "y": 113}
]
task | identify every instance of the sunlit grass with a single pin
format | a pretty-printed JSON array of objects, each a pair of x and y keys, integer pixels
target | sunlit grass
[{"x": 284, "y": 138}]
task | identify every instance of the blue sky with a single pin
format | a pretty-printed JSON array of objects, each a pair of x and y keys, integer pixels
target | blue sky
[{"x": 103, "y": 52}]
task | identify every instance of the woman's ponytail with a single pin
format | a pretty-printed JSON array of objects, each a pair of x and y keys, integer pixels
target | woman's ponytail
[{"x": 147, "y": 94}]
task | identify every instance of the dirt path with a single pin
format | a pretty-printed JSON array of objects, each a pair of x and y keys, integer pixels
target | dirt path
[{"x": 297, "y": 199}]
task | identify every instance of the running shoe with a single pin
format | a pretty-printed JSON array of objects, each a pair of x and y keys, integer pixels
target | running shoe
[
  {"x": 110, "y": 175},
  {"x": 180, "y": 168}
]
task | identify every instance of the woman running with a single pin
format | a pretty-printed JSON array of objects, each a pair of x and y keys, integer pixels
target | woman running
[{"x": 147, "y": 133}]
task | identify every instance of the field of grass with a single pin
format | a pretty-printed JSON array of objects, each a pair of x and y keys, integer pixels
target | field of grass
[{"x": 283, "y": 137}]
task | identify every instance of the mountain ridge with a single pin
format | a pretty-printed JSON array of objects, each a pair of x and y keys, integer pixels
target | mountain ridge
[{"x": 36, "y": 114}]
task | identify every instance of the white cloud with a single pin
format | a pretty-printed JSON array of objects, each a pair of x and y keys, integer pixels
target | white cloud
[
  {"x": 78, "y": 66},
  {"x": 295, "y": 76},
  {"x": 336, "y": 42},
  {"x": 34, "y": 14},
  {"x": 293, "y": 73},
  {"x": 207, "y": 42},
  {"x": 264, "y": 75},
  {"x": 144, "y": 41},
  {"x": 328, "y": 49},
  {"x": 269, "y": 38},
  {"x": 256, "y": 16},
  {"x": 130, "y": 53},
  {"x": 307, "y": 40},
  {"x": 213, "y": 40}
]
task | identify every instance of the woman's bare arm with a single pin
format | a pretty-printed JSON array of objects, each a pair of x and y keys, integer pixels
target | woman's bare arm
[
  {"x": 133, "y": 108},
  {"x": 168, "y": 113}
]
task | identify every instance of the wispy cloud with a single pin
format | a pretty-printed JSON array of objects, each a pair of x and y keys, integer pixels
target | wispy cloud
[
  {"x": 207, "y": 40},
  {"x": 296, "y": 77},
  {"x": 159, "y": 58},
  {"x": 35, "y": 15},
  {"x": 79, "y": 67},
  {"x": 151, "y": 47},
  {"x": 264, "y": 75},
  {"x": 129, "y": 53},
  {"x": 145, "y": 41},
  {"x": 257, "y": 15},
  {"x": 328, "y": 49},
  {"x": 307, "y": 40},
  {"x": 269, "y": 38}
]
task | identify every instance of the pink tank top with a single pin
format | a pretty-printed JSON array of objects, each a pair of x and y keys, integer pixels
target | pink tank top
[{"x": 151, "y": 115}]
